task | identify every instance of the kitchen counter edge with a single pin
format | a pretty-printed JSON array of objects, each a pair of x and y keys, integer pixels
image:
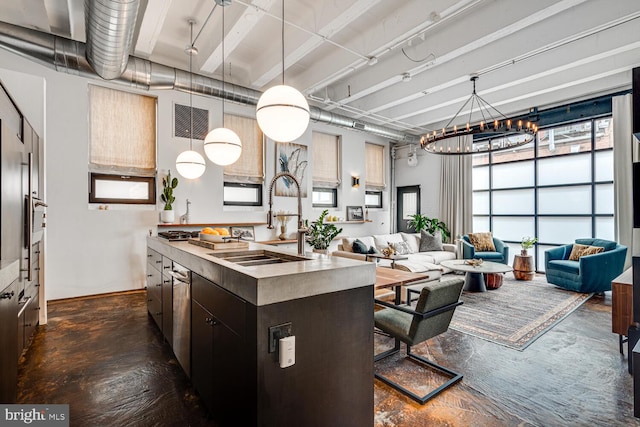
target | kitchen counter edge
[{"x": 274, "y": 283}]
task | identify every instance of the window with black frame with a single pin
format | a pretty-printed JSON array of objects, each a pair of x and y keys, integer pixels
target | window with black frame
[{"x": 122, "y": 147}]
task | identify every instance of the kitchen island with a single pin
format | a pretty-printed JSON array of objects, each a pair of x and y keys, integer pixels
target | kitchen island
[{"x": 325, "y": 302}]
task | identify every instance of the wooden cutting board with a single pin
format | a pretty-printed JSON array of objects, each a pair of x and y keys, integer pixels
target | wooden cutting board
[{"x": 221, "y": 245}]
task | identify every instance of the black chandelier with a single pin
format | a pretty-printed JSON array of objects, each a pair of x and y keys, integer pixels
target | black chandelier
[{"x": 495, "y": 132}]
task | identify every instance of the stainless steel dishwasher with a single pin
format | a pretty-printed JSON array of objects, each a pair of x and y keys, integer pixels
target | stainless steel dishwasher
[{"x": 181, "y": 342}]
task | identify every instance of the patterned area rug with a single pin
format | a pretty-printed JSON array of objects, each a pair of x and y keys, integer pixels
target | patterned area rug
[{"x": 516, "y": 314}]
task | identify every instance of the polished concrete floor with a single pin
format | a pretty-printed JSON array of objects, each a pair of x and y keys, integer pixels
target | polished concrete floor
[{"x": 106, "y": 358}]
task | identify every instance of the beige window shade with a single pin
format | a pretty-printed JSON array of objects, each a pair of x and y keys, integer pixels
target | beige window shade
[
  {"x": 375, "y": 166},
  {"x": 326, "y": 160},
  {"x": 250, "y": 166},
  {"x": 122, "y": 132}
]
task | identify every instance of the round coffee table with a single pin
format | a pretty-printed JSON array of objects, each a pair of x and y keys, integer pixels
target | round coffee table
[{"x": 474, "y": 278}]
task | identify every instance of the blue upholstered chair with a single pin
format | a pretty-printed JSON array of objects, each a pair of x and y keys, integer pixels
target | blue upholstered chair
[
  {"x": 591, "y": 273},
  {"x": 500, "y": 255}
]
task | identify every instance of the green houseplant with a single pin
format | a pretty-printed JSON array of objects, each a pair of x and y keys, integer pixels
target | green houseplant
[
  {"x": 527, "y": 243},
  {"x": 421, "y": 222},
  {"x": 320, "y": 235},
  {"x": 168, "y": 185}
]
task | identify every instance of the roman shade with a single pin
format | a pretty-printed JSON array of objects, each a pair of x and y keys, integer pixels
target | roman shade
[
  {"x": 250, "y": 166},
  {"x": 122, "y": 132},
  {"x": 326, "y": 160},
  {"x": 375, "y": 166}
]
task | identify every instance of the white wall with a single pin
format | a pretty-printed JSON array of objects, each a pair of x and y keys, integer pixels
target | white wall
[
  {"x": 91, "y": 251},
  {"x": 426, "y": 174}
]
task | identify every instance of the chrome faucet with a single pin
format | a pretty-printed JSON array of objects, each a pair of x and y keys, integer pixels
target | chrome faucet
[
  {"x": 302, "y": 230},
  {"x": 184, "y": 219}
]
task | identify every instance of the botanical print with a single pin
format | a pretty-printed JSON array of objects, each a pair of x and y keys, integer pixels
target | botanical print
[{"x": 291, "y": 158}]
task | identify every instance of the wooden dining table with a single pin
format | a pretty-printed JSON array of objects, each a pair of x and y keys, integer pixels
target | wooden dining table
[{"x": 390, "y": 278}]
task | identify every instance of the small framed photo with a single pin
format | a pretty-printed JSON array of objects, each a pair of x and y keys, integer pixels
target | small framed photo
[
  {"x": 354, "y": 213},
  {"x": 245, "y": 233}
]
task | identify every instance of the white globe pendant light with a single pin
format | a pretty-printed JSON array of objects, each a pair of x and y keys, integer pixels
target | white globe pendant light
[
  {"x": 222, "y": 146},
  {"x": 282, "y": 111},
  {"x": 190, "y": 164}
]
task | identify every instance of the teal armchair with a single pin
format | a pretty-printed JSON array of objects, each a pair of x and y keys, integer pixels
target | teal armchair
[
  {"x": 591, "y": 273},
  {"x": 500, "y": 255}
]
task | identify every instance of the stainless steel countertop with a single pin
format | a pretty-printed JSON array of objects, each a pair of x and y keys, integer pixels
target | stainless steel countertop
[{"x": 272, "y": 283}]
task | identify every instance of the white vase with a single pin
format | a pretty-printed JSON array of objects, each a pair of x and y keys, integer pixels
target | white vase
[{"x": 167, "y": 216}]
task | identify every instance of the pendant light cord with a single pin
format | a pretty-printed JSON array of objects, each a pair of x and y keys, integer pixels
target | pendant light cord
[
  {"x": 191, "y": 87},
  {"x": 223, "y": 67},
  {"x": 282, "y": 42}
]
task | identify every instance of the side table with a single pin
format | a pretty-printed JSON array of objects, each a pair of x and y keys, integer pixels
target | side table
[{"x": 523, "y": 267}]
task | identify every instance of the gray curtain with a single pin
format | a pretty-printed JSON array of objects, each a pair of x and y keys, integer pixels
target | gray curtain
[
  {"x": 455, "y": 194},
  {"x": 625, "y": 151}
]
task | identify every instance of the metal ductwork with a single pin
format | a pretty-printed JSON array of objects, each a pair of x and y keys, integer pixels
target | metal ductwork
[
  {"x": 68, "y": 56},
  {"x": 109, "y": 28}
]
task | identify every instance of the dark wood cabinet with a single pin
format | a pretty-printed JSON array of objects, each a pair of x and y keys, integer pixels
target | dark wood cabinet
[
  {"x": 219, "y": 351},
  {"x": 154, "y": 286},
  {"x": 8, "y": 339}
]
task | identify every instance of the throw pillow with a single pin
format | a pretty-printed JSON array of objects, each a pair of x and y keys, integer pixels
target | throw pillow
[
  {"x": 482, "y": 242},
  {"x": 579, "y": 250},
  {"x": 359, "y": 247},
  {"x": 401, "y": 248},
  {"x": 429, "y": 242},
  {"x": 373, "y": 251}
]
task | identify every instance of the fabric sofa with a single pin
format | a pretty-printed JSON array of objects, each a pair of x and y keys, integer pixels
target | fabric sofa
[
  {"x": 417, "y": 262},
  {"x": 590, "y": 273}
]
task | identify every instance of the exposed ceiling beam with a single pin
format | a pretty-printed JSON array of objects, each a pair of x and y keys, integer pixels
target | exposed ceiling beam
[
  {"x": 336, "y": 25},
  {"x": 479, "y": 43},
  {"x": 152, "y": 23},
  {"x": 252, "y": 14},
  {"x": 76, "y": 20},
  {"x": 58, "y": 14},
  {"x": 403, "y": 103},
  {"x": 416, "y": 31}
]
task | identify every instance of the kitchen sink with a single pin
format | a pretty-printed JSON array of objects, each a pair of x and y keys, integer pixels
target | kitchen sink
[{"x": 256, "y": 257}]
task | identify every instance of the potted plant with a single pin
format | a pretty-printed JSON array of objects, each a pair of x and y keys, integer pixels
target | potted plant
[
  {"x": 320, "y": 234},
  {"x": 527, "y": 243},
  {"x": 168, "y": 185},
  {"x": 421, "y": 222}
]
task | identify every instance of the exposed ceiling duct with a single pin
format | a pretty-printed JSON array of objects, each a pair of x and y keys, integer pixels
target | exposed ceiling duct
[
  {"x": 68, "y": 56},
  {"x": 109, "y": 25}
]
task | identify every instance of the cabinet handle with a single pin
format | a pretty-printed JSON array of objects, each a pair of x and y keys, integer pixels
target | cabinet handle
[
  {"x": 37, "y": 285},
  {"x": 150, "y": 299},
  {"x": 211, "y": 321},
  {"x": 158, "y": 313},
  {"x": 37, "y": 269},
  {"x": 37, "y": 252},
  {"x": 158, "y": 262},
  {"x": 149, "y": 275},
  {"x": 7, "y": 295},
  {"x": 149, "y": 255},
  {"x": 27, "y": 325},
  {"x": 167, "y": 281},
  {"x": 159, "y": 285},
  {"x": 167, "y": 267}
]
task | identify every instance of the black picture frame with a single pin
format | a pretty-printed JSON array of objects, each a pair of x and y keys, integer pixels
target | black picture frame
[{"x": 355, "y": 213}]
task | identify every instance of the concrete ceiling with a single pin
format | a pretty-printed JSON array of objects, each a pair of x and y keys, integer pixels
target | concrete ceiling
[{"x": 350, "y": 56}]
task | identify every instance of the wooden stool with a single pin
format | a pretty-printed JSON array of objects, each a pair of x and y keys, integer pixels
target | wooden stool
[{"x": 523, "y": 267}]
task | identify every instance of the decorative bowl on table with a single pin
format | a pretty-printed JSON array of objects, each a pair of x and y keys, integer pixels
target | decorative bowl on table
[{"x": 473, "y": 262}]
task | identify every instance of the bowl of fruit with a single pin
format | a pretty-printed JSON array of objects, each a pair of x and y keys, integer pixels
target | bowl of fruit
[{"x": 217, "y": 235}]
